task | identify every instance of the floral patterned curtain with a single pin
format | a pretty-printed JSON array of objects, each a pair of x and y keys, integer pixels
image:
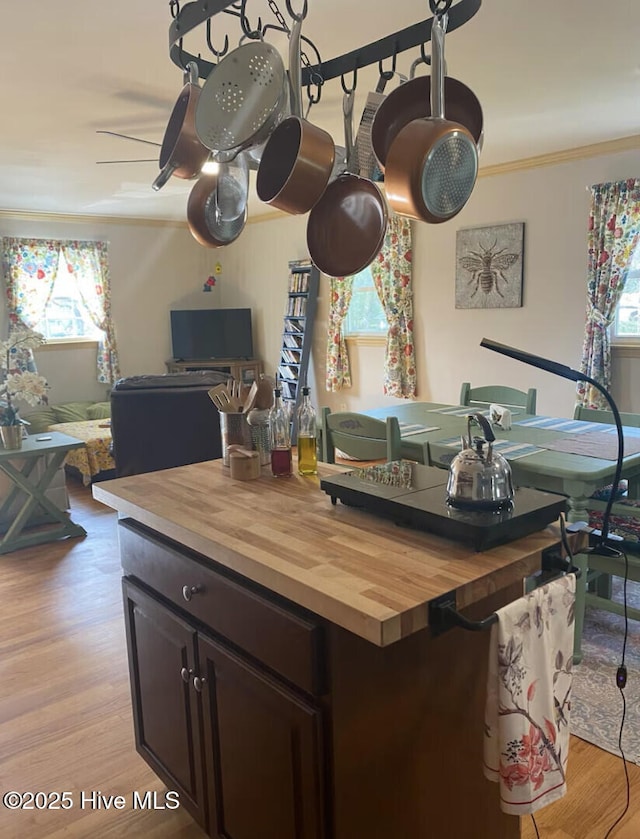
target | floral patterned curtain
[
  {"x": 30, "y": 267},
  {"x": 391, "y": 271},
  {"x": 338, "y": 374},
  {"x": 613, "y": 234},
  {"x": 87, "y": 261}
]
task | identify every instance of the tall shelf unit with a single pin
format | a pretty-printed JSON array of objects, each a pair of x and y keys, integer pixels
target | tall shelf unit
[{"x": 297, "y": 335}]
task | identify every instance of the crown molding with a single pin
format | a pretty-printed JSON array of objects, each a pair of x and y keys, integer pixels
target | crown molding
[
  {"x": 523, "y": 164},
  {"x": 26, "y": 215},
  {"x": 564, "y": 156}
]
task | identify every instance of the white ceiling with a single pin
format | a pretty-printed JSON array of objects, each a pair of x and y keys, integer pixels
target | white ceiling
[{"x": 550, "y": 75}]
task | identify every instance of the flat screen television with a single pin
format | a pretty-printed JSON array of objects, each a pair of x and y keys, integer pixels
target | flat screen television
[{"x": 211, "y": 333}]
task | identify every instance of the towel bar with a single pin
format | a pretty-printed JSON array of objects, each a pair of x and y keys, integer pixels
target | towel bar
[{"x": 442, "y": 610}]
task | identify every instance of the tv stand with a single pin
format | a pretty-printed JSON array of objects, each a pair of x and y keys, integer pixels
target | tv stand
[{"x": 245, "y": 370}]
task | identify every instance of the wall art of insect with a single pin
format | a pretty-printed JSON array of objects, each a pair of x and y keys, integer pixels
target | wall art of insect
[{"x": 489, "y": 266}]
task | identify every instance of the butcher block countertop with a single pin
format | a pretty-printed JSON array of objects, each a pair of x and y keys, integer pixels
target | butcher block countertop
[{"x": 361, "y": 572}]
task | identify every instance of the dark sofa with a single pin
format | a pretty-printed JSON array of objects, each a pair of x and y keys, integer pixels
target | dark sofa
[{"x": 161, "y": 421}]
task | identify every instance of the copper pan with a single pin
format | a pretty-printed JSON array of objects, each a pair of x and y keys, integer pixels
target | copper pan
[
  {"x": 412, "y": 100},
  {"x": 182, "y": 154},
  {"x": 432, "y": 163},
  {"x": 297, "y": 161},
  {"x": 346, "y": 228},
  {"x": 217, "y": 209}
]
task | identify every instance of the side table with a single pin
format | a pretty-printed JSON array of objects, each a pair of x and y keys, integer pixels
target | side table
[{"x": 35, "y": 447}]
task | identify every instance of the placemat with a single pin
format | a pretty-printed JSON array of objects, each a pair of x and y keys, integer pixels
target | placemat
[
  {"x": 561, "y": 424},
  {"x": 601, "y": 444},
  {"x": 512, "y": 451},
  {"x": 407, "y": 429},
  {"x": 465, "y": 411},
  {"x": 576, "y": 426}
]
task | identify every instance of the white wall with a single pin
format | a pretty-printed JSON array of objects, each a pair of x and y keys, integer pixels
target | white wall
[
  {"x": 552, "y": 201},
  {"x": 154, "y": 268}
]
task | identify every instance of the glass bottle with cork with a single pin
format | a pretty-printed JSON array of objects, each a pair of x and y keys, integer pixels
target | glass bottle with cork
[
  {"x": 280, "y": 433},
  {"x": 307, "y": 449}
]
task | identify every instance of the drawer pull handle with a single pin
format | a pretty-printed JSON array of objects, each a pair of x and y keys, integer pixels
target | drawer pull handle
[
  {"x": 199, "y": 682},
  {"x": 189, "y": 591},
  {"x": 186, "y": 674}
]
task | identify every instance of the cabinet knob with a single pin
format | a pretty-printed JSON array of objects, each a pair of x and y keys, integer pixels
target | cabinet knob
[
  {"x": 186, "y": 674},
  {"x": 189, "y": 591},
  {"x": 199, "y": 682}
]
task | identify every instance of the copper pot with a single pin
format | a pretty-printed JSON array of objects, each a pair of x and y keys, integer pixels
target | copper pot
[
  {"x": 432, "y": 163},
  {"x": 411, "y": 100},
  {"x": 346, "y": 228},
  {"x": 182, "y": 154},
  {"x": 297, "y": 161},
  {"x": 216, "y": 210}
]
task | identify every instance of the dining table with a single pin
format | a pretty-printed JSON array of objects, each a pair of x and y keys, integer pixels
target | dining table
[{"x": 528, "y": 445}]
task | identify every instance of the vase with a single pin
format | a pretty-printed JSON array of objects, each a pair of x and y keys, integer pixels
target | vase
[{"x": 11, "y": 436}]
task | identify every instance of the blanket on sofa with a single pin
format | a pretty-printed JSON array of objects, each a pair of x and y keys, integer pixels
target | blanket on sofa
[{"x": 95, "y": 457}]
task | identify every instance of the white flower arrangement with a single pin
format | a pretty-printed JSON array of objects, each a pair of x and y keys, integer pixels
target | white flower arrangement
[{"x": 18, "y": 385}]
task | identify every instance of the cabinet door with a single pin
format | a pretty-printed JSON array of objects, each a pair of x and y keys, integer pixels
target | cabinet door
[
  {"x": 263, "y": 752},
  {"x": 165, "y": 704}
]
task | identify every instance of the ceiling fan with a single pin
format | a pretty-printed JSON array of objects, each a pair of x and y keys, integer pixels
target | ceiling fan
[{"x": 135, "y": 139}]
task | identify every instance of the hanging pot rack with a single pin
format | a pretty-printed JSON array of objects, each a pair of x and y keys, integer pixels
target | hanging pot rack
[{"x": 188, "y": 17}]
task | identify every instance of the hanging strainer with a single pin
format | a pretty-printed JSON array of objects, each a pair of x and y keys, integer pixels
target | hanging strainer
[
  {"x": 233, "y": 188},
  {"x": 242, "y": 99}
]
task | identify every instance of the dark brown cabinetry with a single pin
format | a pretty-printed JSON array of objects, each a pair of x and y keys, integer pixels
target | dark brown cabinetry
[
  {"x": 223, "y": 683},
  {"x": 263, "y": 752},
  {"x": 162, "y": 661}
]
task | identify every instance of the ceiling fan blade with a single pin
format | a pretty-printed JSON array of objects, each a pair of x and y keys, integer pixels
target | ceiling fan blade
[
  {"x": 127, "y": 137},
  {"x": 147, "y": 160}
]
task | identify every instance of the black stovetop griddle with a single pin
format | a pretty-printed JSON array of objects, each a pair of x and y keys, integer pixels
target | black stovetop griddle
[{"x": 415, "y": 496}]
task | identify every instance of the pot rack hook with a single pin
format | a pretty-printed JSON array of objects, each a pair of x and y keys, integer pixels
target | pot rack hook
[
  {"x": 253, "y": 34},
  {"x": 314, "y": 99},
  {"x": 174, "y": 8},
  {"x": 183, "y": 60},
  {"x": 389, "y": 74},
  {"x": 439, "y": 7},
  {"x": 218, "y": 53},
  {"x": 426, "y": 58},
  {"x": 355, "y": 81},
  {"x": 297, "y": 17}
]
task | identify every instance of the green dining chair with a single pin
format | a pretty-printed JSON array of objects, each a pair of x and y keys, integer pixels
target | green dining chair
[
  {"x": 594, "y": 588},
  {"x": 359, "y": 436},
  {"x": 508, "y": 397}
]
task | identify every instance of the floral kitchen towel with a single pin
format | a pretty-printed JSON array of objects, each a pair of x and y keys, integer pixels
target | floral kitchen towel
[{"x": 526, "y": 741}]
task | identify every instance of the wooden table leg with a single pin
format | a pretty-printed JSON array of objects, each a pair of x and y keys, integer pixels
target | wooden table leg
[{"x": 14, "y": 539}]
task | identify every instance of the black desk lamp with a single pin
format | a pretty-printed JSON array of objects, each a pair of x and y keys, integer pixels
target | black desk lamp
[{"x": 601, "y": 548}]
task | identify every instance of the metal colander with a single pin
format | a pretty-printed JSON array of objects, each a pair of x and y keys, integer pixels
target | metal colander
[
  {"x": 243, "y": 99},
  {"x": 449, "y": 174},
  {"x": 223, "y": 230}
]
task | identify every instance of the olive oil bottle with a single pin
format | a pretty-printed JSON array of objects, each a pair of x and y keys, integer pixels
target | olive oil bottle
[{"x": 307, "y": 446}]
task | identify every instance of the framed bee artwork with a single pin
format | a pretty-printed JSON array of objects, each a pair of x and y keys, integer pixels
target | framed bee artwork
[{"x": 489, "y": 267}]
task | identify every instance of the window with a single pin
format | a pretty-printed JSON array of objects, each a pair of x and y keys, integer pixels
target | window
[
  {"x": 62, "y": 289},
  {"x": 66, "y": 317},
  {"x": 626, "y": 324},
  {"x": 366, "y": 315}
]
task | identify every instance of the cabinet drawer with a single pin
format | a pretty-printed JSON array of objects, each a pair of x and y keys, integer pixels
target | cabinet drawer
[{"x": 288, "y": 643}]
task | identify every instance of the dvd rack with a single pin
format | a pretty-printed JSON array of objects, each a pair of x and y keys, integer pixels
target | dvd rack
[{"x": 297, "y": 335}]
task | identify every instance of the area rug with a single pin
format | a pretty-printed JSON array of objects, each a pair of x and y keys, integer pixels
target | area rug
[{"x": 596, "y": 707}]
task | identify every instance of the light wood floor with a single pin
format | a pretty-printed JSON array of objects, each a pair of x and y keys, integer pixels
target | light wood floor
[{"x": 65, "y": 720}]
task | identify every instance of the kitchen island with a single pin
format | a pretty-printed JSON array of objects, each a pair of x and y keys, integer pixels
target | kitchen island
[{"x": 285, "y": 680}]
